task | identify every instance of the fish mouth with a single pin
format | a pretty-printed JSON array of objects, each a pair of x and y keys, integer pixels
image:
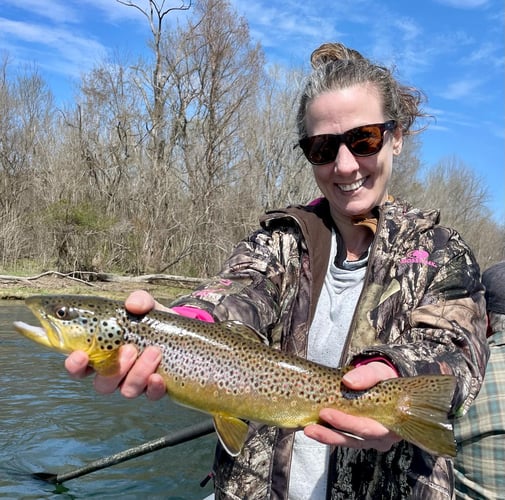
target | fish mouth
[
  {"x": 35, "y": 333},
  {"x": 47, "y": 335}
]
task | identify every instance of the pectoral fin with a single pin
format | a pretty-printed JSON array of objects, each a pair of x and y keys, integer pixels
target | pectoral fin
[{"x": 232, "y": 433}]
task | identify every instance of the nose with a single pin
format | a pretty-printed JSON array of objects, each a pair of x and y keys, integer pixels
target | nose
[{"x": 345, "y": 162}]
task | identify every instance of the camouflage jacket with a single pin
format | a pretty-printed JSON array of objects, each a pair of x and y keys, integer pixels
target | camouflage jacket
[{"x": 422, "y": 307}]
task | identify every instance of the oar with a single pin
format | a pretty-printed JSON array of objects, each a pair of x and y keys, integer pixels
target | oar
[{"x": 188, "y": 434}]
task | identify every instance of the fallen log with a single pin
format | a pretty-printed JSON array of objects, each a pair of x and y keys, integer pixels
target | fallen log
[{"x": 88, "y": 277}]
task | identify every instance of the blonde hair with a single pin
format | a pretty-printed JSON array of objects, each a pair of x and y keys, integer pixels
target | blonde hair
[{"x": 336, "y": 66}]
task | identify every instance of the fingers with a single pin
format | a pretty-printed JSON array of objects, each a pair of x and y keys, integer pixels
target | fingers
[
  {"x": 141, "y": 373},
  {"x": 76, "y": 365},
  {"x": 356, "y": 432},
  {"x": 366, "y": 428},
  {"x": 364, "y": 432},
  {"x": 108, "y": 384},
  {"x": 335, "y": 438},
  {"x": 135, "y": 374},
  {"x": 156, "y": 388},
  {"x": 141, "y": 302},
  {"x": 366, "y": 376}
]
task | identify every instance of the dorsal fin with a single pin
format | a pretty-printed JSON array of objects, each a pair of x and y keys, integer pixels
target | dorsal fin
[{"x": 247, "y": 332}]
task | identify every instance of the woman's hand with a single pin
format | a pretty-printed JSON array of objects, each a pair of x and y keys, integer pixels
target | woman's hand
[
  {"x": 135, "y": 375},
  {"x": 369, "y": 433}
]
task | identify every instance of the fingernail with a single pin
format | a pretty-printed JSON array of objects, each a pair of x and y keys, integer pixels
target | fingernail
[{"x": 351, "y": 378}]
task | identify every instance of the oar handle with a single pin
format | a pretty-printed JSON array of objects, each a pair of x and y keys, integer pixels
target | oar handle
[{"x": 182, "y": 436}]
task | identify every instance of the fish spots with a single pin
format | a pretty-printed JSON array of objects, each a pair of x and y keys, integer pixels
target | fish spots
[
  {"x": 91, "y": 324},
  {"x": 107, "y": 332},
  {"x": 221, "y": 370}
]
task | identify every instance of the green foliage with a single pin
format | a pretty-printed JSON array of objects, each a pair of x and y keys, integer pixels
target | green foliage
[
  {"x": 78, "y": 231},
  {"x": 84, "y": 216}
]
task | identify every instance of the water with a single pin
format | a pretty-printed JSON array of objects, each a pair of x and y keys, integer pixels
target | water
[{"x": 50, "y": 423}]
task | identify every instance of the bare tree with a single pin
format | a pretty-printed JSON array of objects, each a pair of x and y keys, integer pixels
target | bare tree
[
  {"x": 405, "y": 182},
  {"x": 209, "y": 73},
  {"x": 280, "y": 173},
  {"x": 454, "y": 188},
  {"x": 155, "y": 14},
  {"x": 457, "y": 191},
  {"x": 26, "y": 134},
  {"x": 224, "y": 83},
  {"x": 165, "y": 164}
]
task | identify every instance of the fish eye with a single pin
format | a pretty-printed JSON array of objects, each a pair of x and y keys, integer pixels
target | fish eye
[{"x": 64, "y": 312}]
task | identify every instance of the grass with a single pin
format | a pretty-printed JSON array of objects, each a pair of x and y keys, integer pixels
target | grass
[{"x": 49, "y": 285}]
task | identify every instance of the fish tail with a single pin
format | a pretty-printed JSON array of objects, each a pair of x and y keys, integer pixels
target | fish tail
[{"x": 422, "y": 416}]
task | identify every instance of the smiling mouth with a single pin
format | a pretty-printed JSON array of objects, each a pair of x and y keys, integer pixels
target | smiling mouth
[{"x": 352, "y": 187}]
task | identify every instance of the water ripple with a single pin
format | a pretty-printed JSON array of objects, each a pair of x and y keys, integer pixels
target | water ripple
[{"x": 53, "y": 424}]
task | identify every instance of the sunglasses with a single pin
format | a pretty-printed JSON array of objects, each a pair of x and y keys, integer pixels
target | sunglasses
[{"x": 366, "y": 140}]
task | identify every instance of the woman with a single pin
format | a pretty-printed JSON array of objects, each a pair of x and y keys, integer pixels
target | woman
[{"x": 356, "y": 277}]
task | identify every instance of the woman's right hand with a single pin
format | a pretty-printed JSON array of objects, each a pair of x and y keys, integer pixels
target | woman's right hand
[{"x": 137, "y": 374}]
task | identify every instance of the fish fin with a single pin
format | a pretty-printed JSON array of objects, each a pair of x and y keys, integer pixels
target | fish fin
[
  {"x": 424, "y": 412},
  {"x": 232, "y": 433},
  {"x": 244, "y": 331}
]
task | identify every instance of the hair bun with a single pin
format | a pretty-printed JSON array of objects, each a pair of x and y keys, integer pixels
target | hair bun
[{"x": 329, "y": 52}]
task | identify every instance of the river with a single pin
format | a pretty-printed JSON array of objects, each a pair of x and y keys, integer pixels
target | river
[{"x": 50, "y": 423}]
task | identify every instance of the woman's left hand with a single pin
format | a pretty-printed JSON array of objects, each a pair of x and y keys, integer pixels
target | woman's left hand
[{"x": 369, "y": 433}]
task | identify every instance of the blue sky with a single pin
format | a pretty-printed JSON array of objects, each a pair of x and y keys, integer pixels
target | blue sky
[{"x": 451, "y": 49}]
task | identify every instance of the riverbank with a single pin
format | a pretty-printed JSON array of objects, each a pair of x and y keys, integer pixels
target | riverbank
[{"x": 51, "y": 283}]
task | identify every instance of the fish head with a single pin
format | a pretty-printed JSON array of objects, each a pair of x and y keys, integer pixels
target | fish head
[{"x": 74, "y": 322}]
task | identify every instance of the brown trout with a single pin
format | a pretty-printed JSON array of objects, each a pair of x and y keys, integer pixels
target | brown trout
[{"x": 225, "y": 370}]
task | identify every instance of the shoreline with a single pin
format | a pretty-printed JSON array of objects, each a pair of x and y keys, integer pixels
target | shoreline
[{"x": 50, "y": 284}]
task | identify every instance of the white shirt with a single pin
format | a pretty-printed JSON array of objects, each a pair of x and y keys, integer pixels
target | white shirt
[{"x": 327, "y": 335}]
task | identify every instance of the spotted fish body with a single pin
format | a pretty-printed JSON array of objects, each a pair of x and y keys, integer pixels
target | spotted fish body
[{"x": 225, "y": 370}]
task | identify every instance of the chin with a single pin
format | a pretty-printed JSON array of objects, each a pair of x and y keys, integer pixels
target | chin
[{"x": 354, "y": 209}]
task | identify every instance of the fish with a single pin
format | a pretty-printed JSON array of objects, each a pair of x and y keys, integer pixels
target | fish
[{"x": 225, "y": 369}]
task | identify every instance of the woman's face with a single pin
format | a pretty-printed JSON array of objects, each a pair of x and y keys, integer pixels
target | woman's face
[{"x": 353, "y": 185}]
